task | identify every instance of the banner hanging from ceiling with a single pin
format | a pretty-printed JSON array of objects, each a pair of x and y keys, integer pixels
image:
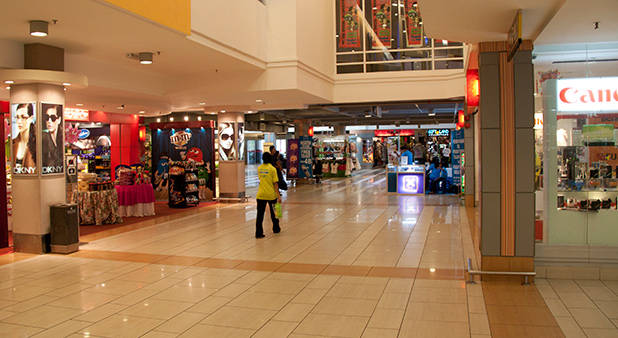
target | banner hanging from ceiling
[
  {"x": 381, "y": 23},
  {"x": 350, "y": 29},
  {"x": 414, "y": 24}
]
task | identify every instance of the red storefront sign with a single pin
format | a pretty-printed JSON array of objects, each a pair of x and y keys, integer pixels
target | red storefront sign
[
  {"x": 393, "y": 132},
  {"x": 350, "y": 32},
  {"x": 588, "y": 94},
  {"x": 414, "y": 24},
  {"x": 381, "y": 22}
]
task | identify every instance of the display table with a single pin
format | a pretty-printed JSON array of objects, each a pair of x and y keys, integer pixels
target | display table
[
  {"x": 136, "y": 200},
  {"x": 406, "y": 179},
  {"x": 99, "y": 207}
]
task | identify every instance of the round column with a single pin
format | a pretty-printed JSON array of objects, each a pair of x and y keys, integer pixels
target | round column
[{"x": 37, "y": 182}]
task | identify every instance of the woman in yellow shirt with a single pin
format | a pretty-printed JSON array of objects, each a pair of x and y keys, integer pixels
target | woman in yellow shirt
[{"x": 268, "y": 193}]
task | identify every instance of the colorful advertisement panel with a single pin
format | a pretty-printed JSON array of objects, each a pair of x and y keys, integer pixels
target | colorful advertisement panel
[
  {"x": 381, "y": 23},
  {"x": 457, "y": 145},
  {"x": 293, "y": 158},
  {"x": 414, "y": 24},
  {"x": 227, "y": 141},
  {"x": 53, "y": 139},
  {"x": 305, "y": 158},
  {"x": 190, "y": 144},
  {"x": 350, "y": 29},
  {"x": 23, "y": 122}
]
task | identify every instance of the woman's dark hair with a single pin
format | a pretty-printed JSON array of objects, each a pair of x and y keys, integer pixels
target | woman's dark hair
[
  {"x": 30, "y": 107},
  {"x": 267, "y": 158}
]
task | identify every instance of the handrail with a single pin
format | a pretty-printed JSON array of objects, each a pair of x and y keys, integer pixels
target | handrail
[{"x": 471, "y": 273}]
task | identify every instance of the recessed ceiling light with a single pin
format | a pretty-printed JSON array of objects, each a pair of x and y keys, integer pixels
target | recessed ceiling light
[
  {"x": 9, "y": 81},
  {"x": 39, "y": 28},
  {"x": 145, "y": 58},
  {"x": 223, "y": 111},
  {"x": 186, "y": 118},
  {"x": 202, "y": 103},
  {"x": 259, "y": 101},
  {"x": 79, "y": 104},
  {"x": 250, "y": 112},
  {"x": 199, "y": 118},
  {"x": 141, "y": 112},
  {"x": 368, "y": 115},
  {"x": 158, "y": 119},
  {"x": 7, "y": 87},
  {"x": 171, "y": 119},
  {"x": 431, "y": 114},
  {"x": 120, "y": 107},
  {"x": 65, "y": 89},
  {"x": 66, "y": 84}
]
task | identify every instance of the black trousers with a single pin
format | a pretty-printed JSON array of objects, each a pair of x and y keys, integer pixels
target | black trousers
[{"x": 261, "y": 210}]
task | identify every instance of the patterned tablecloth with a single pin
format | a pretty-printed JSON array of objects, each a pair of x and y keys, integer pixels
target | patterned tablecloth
[
  {"x": 99, "y": 207},
  {"x": 136, "y": 200}
]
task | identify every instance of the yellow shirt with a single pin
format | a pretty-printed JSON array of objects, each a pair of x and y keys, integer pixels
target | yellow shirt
[{"x": 268, "y": 177}]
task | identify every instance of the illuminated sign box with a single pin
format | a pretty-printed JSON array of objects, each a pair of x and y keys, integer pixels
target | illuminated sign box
[
  {"x": 74, "y": 114},
  {"x": 438, "y": 132},
  {"x": 412, "y": 183},
  {"x": 587, "y": 94}
]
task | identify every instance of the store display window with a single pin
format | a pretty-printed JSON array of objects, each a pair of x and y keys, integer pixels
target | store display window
[{"x": 580, "y": 161}]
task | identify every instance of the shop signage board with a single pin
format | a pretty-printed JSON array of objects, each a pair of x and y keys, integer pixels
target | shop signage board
[
  {"x": 83, "y": 134},
  {"x": 514, "y": 37},
  {"x": 305, "y": 158},
  {"x": 381, "y": 23},
  {"x": 350, "y": 28},
  {"x": 438, "y": 132},
  {"x": 457, "y": 147},
  {"x": 293, "y": 158},
  {"x": 393, "y": 132},
  {"x": 74, "y": 114},
  {"x": 23, "y": 137},
  {"x": 412, "y": 183},
  {"x": 414, "y": 24},
  {"x": 587, "y": 94}
]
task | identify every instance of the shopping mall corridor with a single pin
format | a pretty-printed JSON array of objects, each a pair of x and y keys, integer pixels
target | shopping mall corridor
[{"x": 351, "y": 261}]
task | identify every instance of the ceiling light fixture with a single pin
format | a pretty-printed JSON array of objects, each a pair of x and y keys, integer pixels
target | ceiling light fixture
[
  {"x": 259, "y": 101},
  {"x": 9, "y": 81},
  {"x": 79, "y": 104},
  {"x": 199, "y": 118},
  {"x": 368, "y": 115},
  {"x": 66, "y": 84},
  {"x": 39, "y": 28},
  {"x": 171, "y": 119},
  {"x": 7, "y": 87},
  {"x": 141, "y": 112},
  {"x": 223, "y": 111},
  {"x": 186, "y": 118},
  {"x": 202, "y": 103},
  {"x": 431, "y": 114},
  {"x": 145, "y": 58},
  {"x": 158, "y": 119}
]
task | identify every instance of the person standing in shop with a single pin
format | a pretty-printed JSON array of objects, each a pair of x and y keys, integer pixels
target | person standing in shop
[
  {"x": 419, "y": 152},
  {"x": 446, "y": 156},
  {"x": 278, "y": 163},
  {"x": 406, "y": 153},
  {"x": 268, "y": 193}
]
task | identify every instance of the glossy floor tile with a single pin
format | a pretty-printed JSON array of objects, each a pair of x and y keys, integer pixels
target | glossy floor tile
[{"x": 351, "y": 261}]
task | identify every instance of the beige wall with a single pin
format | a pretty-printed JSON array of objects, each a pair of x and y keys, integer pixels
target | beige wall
[{"x": 239, "y": 24}]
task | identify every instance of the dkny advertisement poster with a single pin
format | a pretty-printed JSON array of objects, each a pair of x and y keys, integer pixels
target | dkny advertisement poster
[
  {"x": 23, "y": 137},
  {"x": 53, "y": 139}
]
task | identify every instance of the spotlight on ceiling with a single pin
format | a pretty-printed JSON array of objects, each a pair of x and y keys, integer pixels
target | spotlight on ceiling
[
  {"x": 431, "y": 114},
  {"x": 9, "y": 81},
  {"x": 199, "y": 118},
  {"x": 79, "y": 104},
  {"x": 39, "y": 28},
  {"x": 145, "y": 58}
]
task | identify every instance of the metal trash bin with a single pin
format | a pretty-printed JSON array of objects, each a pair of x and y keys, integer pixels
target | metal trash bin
[{"x": 64, "y": 221}]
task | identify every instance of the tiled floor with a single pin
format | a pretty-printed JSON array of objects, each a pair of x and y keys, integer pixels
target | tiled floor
[
  {"x": 351, "y": 261},
  {"x": 583, "y": 308}
]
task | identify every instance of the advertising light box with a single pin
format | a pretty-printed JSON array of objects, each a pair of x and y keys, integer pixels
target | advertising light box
[{"x": 587, "y": 94}]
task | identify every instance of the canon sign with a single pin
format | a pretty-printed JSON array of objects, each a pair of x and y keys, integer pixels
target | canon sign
[{"x": 587, "y": 95}]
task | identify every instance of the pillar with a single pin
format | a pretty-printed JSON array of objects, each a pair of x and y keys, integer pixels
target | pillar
[
  {"x": 33, "y": 194},
  {"x": 232, "y": 169},
  {"x": 301, "y": 128},
  {"x": 507, "y": 157}
]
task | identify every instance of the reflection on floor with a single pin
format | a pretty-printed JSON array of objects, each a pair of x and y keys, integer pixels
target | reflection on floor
[{"x": 351, "y": 261}]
